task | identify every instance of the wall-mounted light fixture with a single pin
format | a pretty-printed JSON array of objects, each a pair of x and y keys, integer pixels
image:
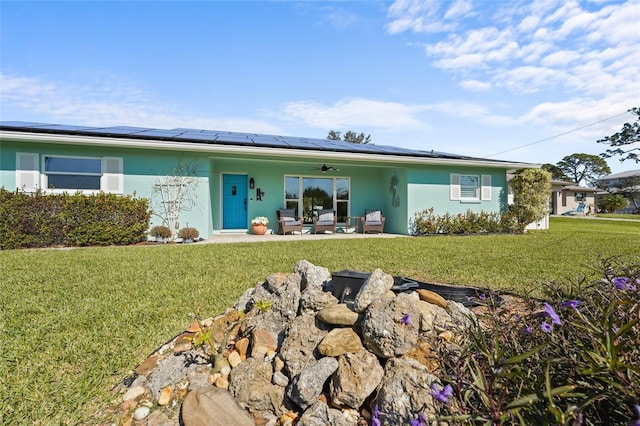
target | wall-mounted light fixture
[
  {"x": 252, "y": 183},
  {"x": 259, "y": 194}
]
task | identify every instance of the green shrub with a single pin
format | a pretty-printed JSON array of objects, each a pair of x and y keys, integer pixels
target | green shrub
[
  {"x": 46, "y": 220},
  {"x": 428, "y": 223},
  {"x": 575, "y": 360}
]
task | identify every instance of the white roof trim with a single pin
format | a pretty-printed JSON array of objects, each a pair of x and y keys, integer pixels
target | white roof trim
[{"x": 243, "y": 149}]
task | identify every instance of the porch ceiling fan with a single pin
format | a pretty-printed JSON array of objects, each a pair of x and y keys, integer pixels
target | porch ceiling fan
[{"x": 326, "y": 169}]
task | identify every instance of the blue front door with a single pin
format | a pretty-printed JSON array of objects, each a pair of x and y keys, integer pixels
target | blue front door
[{"x": 234, "y": 201}]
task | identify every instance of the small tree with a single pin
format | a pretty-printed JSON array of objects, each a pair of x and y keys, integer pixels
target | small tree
[
  {"x": 531, "y": 195},
  {"x": 613, "y": 202},
  {"x": 176, "y": 194}
]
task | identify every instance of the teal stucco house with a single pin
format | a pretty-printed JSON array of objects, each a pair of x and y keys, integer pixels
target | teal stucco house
[{"x": 234, "y": 177}]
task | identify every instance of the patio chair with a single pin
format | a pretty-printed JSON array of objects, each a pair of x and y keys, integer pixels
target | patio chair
[
  {"x": 574, "y": 212},
  {"x": 288, "y": 222},
  {"x": 325, "y": 221},
  {"x": 373, "y": 220}
]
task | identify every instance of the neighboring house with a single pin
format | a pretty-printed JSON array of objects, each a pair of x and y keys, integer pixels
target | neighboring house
[
  {"x": 626, "y": 182},
  {"x": 567, "y": 197},
  {"x": 244, "y": 175}
]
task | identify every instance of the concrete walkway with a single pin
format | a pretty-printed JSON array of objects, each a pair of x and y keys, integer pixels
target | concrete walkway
[{"x": 251, "y": 238}]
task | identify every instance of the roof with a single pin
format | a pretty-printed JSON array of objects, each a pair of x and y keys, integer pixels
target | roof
[
  {"x": 570, "y": 186},
  {"x": 237, "y": 139},
  {"x": 622, "y": 175}
]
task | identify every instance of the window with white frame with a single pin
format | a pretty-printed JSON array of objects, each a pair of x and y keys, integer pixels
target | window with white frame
[
  {"x": 470, "y": 187},
  {"x": 68, "y": 173},
  {"x": 74, "y": 173},
  {"x": 308, "y": 195}
]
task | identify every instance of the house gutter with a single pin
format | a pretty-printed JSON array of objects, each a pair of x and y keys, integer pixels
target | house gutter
[{"x": 220, "y": 148}]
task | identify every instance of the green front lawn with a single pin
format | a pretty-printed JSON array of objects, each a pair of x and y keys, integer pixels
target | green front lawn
[{"x": 75, "y": 322}]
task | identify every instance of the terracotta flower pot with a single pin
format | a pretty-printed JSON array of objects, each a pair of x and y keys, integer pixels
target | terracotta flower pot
[{"x": 259, "y": 229}]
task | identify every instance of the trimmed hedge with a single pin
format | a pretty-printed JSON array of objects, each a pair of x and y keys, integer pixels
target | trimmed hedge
[
  {"x": 428, "y": 223},
  {"x": 49, "y": 220}
]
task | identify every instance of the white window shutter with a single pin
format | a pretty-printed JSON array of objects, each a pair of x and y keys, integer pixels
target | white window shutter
[
  {"x": 454, "y": 186},
  {"x": 486, "y": 188},
  {"x": 27, "y": 171},
  {"x": 112, "y": 177}
]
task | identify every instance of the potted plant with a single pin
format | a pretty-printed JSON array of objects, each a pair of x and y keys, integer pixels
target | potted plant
[
  {"x": 160, "y": 233},
  {"x": 259, "y": 225},
  {"x": 188, "y": 235}
]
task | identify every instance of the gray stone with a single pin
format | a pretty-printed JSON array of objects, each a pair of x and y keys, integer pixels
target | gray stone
[
  {"x": 302, "y": 337},
  {"x": 339, "y": 314},
  {"x": 141, "y": 413},
  {"x": 168, "y": 372},
  {"x": 279, "y": 379},
  {"x": 404, "y": 392},
  {"x": 462, "y": 317},
  {"x": 244, "y": 302},
  {"x": 319, "y": 414},
  {"x": 312, "y": 276},
  {"x": 383, "y": 329},
  {"x": 285, "y": 300},
  {"x": 250, "y": 384},
  {"x": 373, "y": 288},
  {"x": 434, "y": 319},
  {"x": 213, "y": 407},
  {"x": 199, "y": 380},
  {"x": 356, "y": 378},
  {"x": 313, "y": 299},
  {"x": 133, "y": 392},
  {"x": 306, "y": 387}
]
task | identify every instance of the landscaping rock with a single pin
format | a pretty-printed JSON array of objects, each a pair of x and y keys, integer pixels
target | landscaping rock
[
  {"x": 340, "y": 341},
  {"x": 290, "y": 354},
  {"x": 250, "y": 384},
  {"x": 312, "y": 275},
  {"x": 213, "y": 407},
  {"x": 303, "y": 336},
  {"x": 391, "y": 327},
  {"x": 306, "y": 387},
  {"x": 319, "y": 414},
  {"x": 339, "y": 314},
  {"x": 373, "y": 288},
  {"x": 357, "y": 376},
  {"x": 404, "y": 392}
]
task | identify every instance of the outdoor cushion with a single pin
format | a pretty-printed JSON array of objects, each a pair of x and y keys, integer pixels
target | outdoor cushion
[
  {"x": 373, "y": 217},
  {"x": 288, "y": 215},
  {"x": 326, "y": 217}
]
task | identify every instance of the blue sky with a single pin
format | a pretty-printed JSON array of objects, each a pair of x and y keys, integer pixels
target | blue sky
[{"x": 525, "y": 81}]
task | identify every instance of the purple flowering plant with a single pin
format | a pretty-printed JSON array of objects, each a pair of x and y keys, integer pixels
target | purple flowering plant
[
  {"x": 579, "y": 365},
  {"x": 406, "y": 319}
]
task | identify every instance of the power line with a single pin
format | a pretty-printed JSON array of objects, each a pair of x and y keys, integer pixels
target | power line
[{"x": 561, "y": 134}]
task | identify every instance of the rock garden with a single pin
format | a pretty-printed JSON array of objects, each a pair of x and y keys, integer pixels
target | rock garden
[{"x": 292, "y": 352}]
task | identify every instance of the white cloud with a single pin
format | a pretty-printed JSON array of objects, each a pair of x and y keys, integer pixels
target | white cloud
[
  {"x": 475, "y": 85},
  {"x": 348, "y": 113},
  {"x": 459, "y": 8},
  {"x": 559, "y": 58},
  {"x": 106, "y": 101},
  {"x": 417, "y": 16}
]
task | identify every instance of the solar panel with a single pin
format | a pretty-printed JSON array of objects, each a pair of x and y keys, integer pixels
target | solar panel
[
  {"x": 118, "y": 130},
  {"x": 226, "y": 138},
  {"x": 268, "y": 141}
]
